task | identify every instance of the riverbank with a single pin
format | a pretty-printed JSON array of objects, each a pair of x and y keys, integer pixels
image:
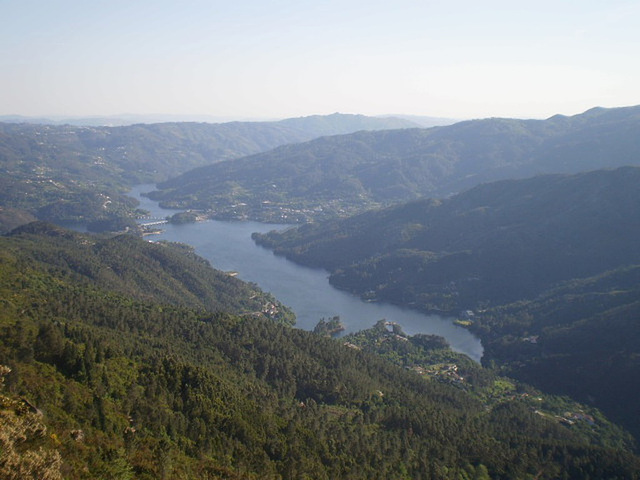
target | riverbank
[{"x": 228, "y": 246}]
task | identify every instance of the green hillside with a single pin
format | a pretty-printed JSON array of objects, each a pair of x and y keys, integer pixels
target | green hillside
[
  {"x": 337, "y": 176},
  {"x": 111, "y": 381},
  {"x": 161, "y": 272}
]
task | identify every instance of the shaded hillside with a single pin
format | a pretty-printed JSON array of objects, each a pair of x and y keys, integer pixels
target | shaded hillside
[
  {"x": 581, "y": 339},
  {"x": 336, "y": 176},
  {"x": 136, "y": 389},
  {"x": 77, "y": 174},
  {"x": 492, "y": 244}
]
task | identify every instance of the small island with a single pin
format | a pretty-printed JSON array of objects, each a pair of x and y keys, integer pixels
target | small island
[
  {"x": 190, "y": 216},
  {"x": 329, "y": 328}
]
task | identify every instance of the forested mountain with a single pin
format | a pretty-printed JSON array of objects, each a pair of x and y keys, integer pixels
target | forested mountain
[
  {"x": 336, "y": 176},
  {"x": 548, "y": 265},
  {"x": 495, "y": 243},
  {"x": 69, "y": 173},
  {"x": 113, "y": 381},
  {"x": 168, "y": 273},
  {"x": 120, "y": 358},
  {"x": 148, "y": 152}
]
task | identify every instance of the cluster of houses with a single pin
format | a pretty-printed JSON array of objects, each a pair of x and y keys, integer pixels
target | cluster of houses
[
  {"x": 447, "y": 372},
  {"x": 270, "y": 309}
]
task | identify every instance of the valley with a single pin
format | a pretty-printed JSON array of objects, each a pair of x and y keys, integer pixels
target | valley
[
  {"x": 229, "y": 246},
  {"x": 319, "y": 240},
  {"x": 176, "y": 357}
]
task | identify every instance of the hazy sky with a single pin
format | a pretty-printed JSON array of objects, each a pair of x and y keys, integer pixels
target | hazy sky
[{"x": 287, "y": 58}]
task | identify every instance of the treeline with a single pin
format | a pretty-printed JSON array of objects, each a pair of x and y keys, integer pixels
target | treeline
[{"x": 130, "y": 387}]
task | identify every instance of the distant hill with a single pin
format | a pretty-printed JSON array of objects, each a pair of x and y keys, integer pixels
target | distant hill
[
  {"x": 158, "y": 150},
  {"x": 341, "y": 175},
  {"x": 426, "y": 121},
  {"x": 353, "y": 122},
  {"x": 77, "y": 174},
  {"x": 112, "y": 120}
]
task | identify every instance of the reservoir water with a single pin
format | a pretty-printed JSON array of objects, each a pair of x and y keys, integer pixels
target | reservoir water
[{"x": 228, "y": 246}]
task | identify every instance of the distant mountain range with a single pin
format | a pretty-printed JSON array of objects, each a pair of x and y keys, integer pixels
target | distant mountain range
[
  {"x": 164, "y": 149},
  {"x": 111, "y": 120},
  {"x": 333, "y": 176},
  {"x": 133, "y": 119},
  {"x": 427, "y": 122}
]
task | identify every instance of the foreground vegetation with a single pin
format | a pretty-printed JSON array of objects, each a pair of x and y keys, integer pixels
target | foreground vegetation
[{"x": 131, "y": 384}]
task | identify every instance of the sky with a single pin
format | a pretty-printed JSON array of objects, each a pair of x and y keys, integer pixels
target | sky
[{"x": 253, "y": 59}]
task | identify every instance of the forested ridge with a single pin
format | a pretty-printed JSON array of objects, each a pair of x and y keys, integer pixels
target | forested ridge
[
  {"x": 343, "y": 175},
  {"x": 169, "y": 273},
  {"x": 495, "y": 243},
  {"x": 129, "y": 385}
]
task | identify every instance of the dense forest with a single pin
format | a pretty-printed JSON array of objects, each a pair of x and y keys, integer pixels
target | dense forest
[
  {"x": 110, "y": 380},
  {"x": 544, "y": 270},
  {"x": 347, "y": 174},
  {"x": 63, "y": 173},
  {"x": 166, "y": 272}
]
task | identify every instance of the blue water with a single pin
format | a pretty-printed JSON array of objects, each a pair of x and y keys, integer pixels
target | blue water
[{"x": 228, "y": 246}]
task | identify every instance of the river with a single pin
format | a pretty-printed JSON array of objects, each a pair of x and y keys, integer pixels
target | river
[{"x": 228, "y": 246}]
